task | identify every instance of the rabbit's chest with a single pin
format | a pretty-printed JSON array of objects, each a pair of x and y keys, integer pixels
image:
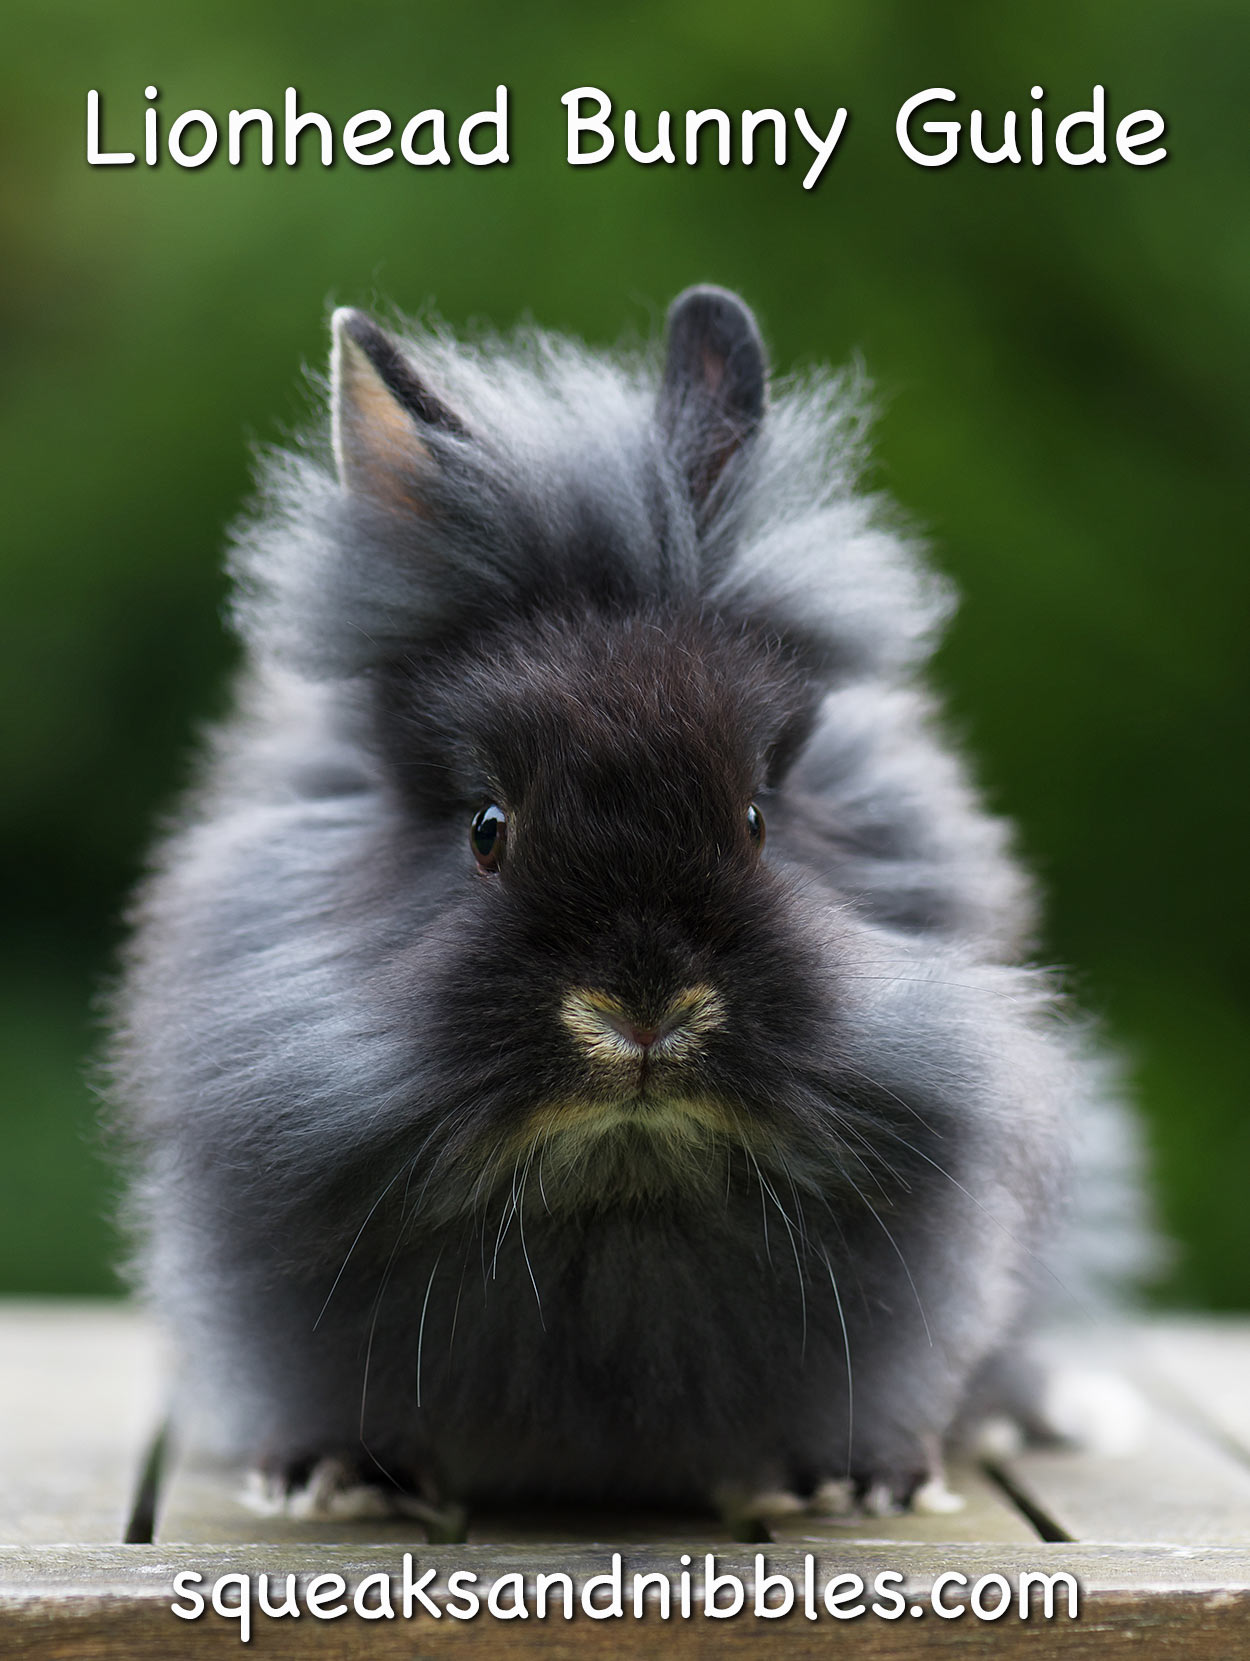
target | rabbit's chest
[{"x": 631, "y": 1362}]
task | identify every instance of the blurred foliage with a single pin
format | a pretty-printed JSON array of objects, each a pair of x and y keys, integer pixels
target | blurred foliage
[{"x": 1061, "y": 357}]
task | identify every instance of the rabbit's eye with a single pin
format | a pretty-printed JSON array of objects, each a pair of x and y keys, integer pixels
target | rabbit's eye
[
  {"x": 487, "y": 835},
  {"x": 755, "y": 827}
]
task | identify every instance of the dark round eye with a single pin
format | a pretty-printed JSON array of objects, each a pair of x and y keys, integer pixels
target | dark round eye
[
  {"x": 755, "y": 827},
  {"x": 487, "y": 835}
]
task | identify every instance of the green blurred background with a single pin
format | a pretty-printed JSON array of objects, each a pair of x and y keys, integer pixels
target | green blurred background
[{"x": 1061, "y": 357}]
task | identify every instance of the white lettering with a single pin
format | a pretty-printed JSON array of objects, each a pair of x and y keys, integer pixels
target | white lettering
[
  {"x": 193, "y": 118},
  {"x": 383, "y": 1607},
  {"x": 663, "y": 150},
  {"x": 902, "y": 132},
  {"x": 615, "y": 1605},
  {"x": 751, "y": 119},
  {"x": 438, "y": 151},
  {"x": 238, "y": 119},
  {"x": 765, "y": 1583},
  {"x": 1096, "y": 119},
  {"x": 367, "y": 127},
  {"x": 185, "y": 1582},
  {"x": 413, "y": 1591},
  {"x": 240, "y": 1611},
  {"x": 712, "y": 1584},
  {"x": 824, "y": 147},
  {"x": 596, "y": 124},
  {"x": 95, "y": 156},
  {"x": 1151, "y": 123},
  {"x": 695, "y": 119},
  {"x": 320, "y": 1593},
  {"x": 513, "y": 1584},
  {"x": 947, "y": 1611},
  {"x": 496, "y": 118},
  {"x": 295, "y": 124}
]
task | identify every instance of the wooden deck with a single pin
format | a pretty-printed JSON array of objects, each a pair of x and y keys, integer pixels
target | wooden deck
[{"x": 1159, "y": 1541}]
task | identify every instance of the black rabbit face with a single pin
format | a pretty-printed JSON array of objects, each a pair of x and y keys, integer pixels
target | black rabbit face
[{"x": 623, "y": 961}]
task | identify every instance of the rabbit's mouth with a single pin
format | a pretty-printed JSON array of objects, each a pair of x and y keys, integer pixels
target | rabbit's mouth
[
  {"x": 665, "y": 1116},
  {"x": 629, "y": 1147}
]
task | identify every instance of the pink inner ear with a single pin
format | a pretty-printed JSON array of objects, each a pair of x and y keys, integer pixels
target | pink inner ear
[
  {"x": 713, "y": 370},
  {"x": 379, "y": 450}
]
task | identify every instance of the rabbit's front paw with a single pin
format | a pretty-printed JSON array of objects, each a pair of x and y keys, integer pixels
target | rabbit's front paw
[{"x": 334, "y": 1488}]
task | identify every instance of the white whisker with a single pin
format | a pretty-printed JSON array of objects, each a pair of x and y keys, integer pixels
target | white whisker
[
  {"x": 425, "y": 1304},
  {"x": 846, "y": 1345}
]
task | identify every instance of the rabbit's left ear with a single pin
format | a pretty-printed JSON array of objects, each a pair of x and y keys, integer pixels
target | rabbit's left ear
[
  {"x": 715, "y": 379},
  {"x": 382, "y": 412}
]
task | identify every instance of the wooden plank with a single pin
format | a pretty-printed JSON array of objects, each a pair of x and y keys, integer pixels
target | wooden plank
[
  {"x": 115, "y": 1605},
  {"x": 209, "y": 1505},
  {"x": 987, "y": 1516},
  {"x": 1180, "y": 1488},
  {"x": 656, "y": 1530},
  {"x": 80, "y": 1396},
  {"x": 1204, "y": 1363},
  {"x": 204, "y": 1503},
  {"x": 1179, "y": 1485}
]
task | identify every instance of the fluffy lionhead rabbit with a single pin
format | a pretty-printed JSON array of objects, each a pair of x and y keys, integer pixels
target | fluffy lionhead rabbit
[{"x": 576, "y": 1042}]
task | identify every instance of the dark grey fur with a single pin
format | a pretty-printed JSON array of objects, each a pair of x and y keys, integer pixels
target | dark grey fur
[{"x": 625, "y": 609}]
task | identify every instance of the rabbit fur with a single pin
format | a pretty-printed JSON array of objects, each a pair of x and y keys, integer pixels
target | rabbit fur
[{"x": 709, "y": 1136}]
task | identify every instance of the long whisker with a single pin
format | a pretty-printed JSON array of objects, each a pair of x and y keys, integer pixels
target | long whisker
[
  {"x": 364, "y": 1383},
  {"x": 546, "y": 1137},
  {"x": 767, "y": 1187},
  {"x": 505, "y": 1221},
  {"x": 763, "y": 1204},
  {"x": 521, "y": 1229},
  {"x": 906, "y": 1106},
  {"x": 998, "y": 1223},
  {"x": 897, "y": 1252},
  {"x": 455, "y": 1314},
  {"x": 846, "y": 1345},
  {"x": 425, "y": 1304},
  {"x": 359, "y": 1232},
  {"x": 847, "y": 1129}
]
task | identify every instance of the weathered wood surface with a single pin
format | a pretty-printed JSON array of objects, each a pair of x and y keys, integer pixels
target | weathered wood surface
[
  {"x": 80, "y": 1394},
  {"x": 1143, "y": 1603},
  {"x": 1202, "y": 1365},
  {"x": 1180, "y": 1488},
  {"x": 986, "y": 1515},
  {"x": 1160, "y": 1540},
  {"x": 205, "y": 1506},
  {"x": 1188, "y": 1480}
]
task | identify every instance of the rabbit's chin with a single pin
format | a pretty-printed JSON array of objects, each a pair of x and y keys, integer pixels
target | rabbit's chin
[{"x": 577, "y": 1153}]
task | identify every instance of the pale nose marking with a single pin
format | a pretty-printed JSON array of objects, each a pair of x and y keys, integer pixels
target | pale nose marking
[{"x": 608, "y": 1031}]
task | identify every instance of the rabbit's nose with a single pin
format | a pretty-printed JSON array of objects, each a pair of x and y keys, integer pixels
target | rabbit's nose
[
  {"x": 611, "y": 1032},
  {"x": 643, "y": 1037}
]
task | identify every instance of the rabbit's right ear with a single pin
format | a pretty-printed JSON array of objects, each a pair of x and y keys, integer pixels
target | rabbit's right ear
[
  {"x": 382, "y": 413},
  {"x": 715, "y": 380}
]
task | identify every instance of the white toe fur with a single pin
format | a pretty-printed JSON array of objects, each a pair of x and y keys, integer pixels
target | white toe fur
[
  {"x": 998, "y": 1437},
  {"x": 935, "y": 1499},
  {"x": 880, "y": 1502},
  {"x": 331, "y": 1494},
  {"x": 833, "y": 1499},
  {"x": 1097, "y": 1411}
]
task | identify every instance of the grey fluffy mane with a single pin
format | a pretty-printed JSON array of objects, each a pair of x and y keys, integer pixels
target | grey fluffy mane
[{"x": 566, "y": 439}]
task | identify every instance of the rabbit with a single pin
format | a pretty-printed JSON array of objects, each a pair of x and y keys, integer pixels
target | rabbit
[{"x": 577, "y": 1043}]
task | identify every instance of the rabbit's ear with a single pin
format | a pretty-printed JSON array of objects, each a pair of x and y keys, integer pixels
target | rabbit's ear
[
  {"x": 715, "y": 378},
  {"x": 381, "y": 411}
]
